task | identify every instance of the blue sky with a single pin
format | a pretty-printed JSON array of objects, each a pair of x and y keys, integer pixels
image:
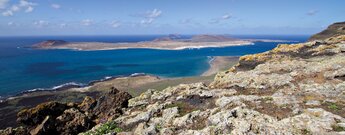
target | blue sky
[{"x": 147, "y": 17}]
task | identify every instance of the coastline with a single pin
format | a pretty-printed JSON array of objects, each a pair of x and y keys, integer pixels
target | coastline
[
  {"x": 158, "y": 45},
  {"x": 73, "y": 86},
  {"x": 134, "y": 84},
  {"x": 216, "y": 64}
]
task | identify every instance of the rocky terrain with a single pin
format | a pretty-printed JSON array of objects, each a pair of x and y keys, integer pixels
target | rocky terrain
[
  {"x": 70, "y": 118},
  {"x": 292, "y": 89},
  {"x": 335, "y": 29}
]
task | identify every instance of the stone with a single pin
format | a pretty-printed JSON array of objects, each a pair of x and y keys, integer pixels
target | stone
[
  {"x": 313, "y": 103},
  {"x": 72, "y": 121},
  {"x": 34, "y": 116}
]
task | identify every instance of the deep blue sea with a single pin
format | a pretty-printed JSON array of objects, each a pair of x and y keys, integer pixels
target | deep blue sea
[{"x": 25, "y": 69}]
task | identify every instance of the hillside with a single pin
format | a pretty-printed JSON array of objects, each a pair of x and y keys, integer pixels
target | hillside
[
  {"x": 292, "y": 89},
  {"x": 335, "y": 29}
]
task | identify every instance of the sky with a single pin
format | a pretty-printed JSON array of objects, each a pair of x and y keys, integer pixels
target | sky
[{"x": 152, "y": 17}]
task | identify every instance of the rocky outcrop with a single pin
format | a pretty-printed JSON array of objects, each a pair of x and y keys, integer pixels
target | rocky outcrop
[
  {"x": 333, "y": 30},
  {"x": 70, "y": 118},
  {"x": 49, "y": 43},
  {"x": 292, "y": 89}
]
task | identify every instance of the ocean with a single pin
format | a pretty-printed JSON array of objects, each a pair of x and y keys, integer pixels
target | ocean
[{"x": 23, "y": 69}]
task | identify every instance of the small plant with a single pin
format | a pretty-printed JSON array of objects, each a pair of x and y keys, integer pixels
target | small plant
[
  {"x": 158, "y": 127},
  {"x": 338, "y": 128},
  {"x": 183, "y": 108},
  {"x": 109, "y": 127},
  {"x": 268, "y": 99},
  {"x": 305, "y": 132},
  {"x": 333, "y": 106}
]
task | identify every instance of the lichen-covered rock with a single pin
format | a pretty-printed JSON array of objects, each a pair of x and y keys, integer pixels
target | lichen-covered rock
[
  {"x": 14, "y": 131},
  {"x": 72, "y": 121},
  {"x": 87, "y": 104},
  {"x": 109, "y": 105},
  {"x": 34, "y": 116}
]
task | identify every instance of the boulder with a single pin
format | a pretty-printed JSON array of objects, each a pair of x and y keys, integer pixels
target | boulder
[{"x": 70, "y": 118}]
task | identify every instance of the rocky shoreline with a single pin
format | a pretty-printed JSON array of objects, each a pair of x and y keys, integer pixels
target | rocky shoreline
[
  {"x": 75, "y": 92},
  {"x": 69, "y": 86},
  {"x": 218, "y": 63}
]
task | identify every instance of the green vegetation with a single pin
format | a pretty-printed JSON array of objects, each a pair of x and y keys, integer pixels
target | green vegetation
[
  {"x": 109, "y": 127},
  {"x": 158, "y": 127},
  {"x": 338, "y": 128},
  {"x": 178, "y": 105},
  {"x": 268, "y": 99},
  {"x": 305, "y": 132},
  {"x": 333, "y": 106},
  {"x": 183, "y": 108}
]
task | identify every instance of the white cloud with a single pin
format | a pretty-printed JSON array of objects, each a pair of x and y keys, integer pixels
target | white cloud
[
  {"x": 186, "y": 21},
  {"x": 41, "y": 23},
  {"x": 312, "y": 12},
  {"x": 10, "y": 23},
  {"x": 15, "y": 8},
  {"x": 62, "y": 25},
  {"x": 7, "y": 13},
  {"x": 226, "y": 16},
  {"x": 147, "y": 21},
  {"x": 86, "y": 22},
  {"x": 29, "y": 9},
  {"x": 154, "y": 13},
  {"x": 56, "y": 6},
  {"x": 219, "y": 19},
  {"x": 115, "y": 24},
  {"x": 150, "y": 16},
  {"x": 23, "y": 4},
  {"x": 3, "y": 3}
]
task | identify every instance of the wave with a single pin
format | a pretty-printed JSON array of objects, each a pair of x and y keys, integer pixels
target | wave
[
  {"x": 211, "y": 58},
  {"x": 56, "y": 88},
  {"x": 70, "y": 85}
]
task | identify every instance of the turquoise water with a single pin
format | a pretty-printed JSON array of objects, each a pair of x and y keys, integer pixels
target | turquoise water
[{"x": 25, "y": 69}]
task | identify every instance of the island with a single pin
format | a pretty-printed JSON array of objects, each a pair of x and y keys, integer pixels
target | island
[{"x": 171, "y": 42}]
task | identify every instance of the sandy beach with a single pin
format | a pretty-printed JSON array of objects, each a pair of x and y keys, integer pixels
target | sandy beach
[{"x": 220, "y": 63}]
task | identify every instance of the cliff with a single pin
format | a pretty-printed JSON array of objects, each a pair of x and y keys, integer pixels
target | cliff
[{"x": 335, "y": 29}]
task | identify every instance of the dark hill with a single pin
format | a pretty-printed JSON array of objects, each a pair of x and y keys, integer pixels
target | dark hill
[{"x": 335, "y": 29}]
